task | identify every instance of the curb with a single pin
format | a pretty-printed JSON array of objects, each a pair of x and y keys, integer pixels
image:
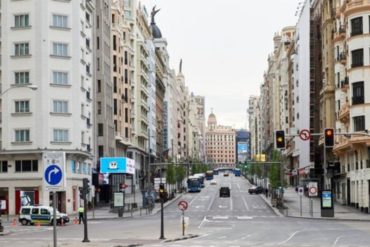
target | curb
[
  {"x": 182, "y": 238},
  {"x": 328, "y": 218},
  {"x": 276, "y": 211}
]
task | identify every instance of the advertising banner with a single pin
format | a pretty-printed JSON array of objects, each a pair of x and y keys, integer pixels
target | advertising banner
[{"x": 117, "y": 165}]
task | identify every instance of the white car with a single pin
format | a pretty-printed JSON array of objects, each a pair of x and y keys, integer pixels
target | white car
[
  {"x": 213, "y": 182},
  {"x": 40, "y": 214}
]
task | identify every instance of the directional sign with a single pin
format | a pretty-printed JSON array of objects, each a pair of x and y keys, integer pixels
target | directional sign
[
  {"x": 183, "y": 205},
  {"x": 54, "y": 175},
  {"x": 305, "y": 134}
]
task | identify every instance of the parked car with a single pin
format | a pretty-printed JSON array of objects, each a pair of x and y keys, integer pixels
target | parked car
[
  {"x": 226, "y": 174},
  {"x": 224, "y": 191},
  {"x": 40, "y": 214},
  {"x": 255, "y": 190},
  {"x": 213, "y": 182}
]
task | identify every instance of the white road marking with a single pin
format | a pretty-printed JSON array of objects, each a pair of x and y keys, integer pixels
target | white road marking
[
  {"x": 199, "y": 206},
  {"x": 244, "y": 217},
  {"x": 231, "y": 203},
  {"x": 211, "y": 203},
  {"x": 222, "y": 237},
  {"x": 336, "y": 241},
  {"x": 290, "y": 237},
  {"x": 245, "y": 204},
  {"x": 221, "y": 206},
  {"x": 220, "y": 217},
  {"x": 238, "y": 186},
  {"x": 201, "y": 223}
]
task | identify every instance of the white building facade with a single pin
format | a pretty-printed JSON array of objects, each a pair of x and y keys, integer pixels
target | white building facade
[{"x": 40, "y": 47}]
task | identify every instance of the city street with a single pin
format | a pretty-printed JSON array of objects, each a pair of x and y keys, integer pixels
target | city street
[{"x": 241, "y": 220}]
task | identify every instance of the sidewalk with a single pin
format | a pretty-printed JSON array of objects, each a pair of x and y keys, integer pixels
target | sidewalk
[{"x": 341, "y": 212}]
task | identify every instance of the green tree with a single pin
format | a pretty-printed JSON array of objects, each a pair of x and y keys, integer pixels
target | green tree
[
  {"x": 274, "y": 171},
  {"x": 171, "y": 174},
  {"x": 180, "y": 175}
]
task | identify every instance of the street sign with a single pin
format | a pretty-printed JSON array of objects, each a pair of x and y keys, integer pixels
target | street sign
[
  {"x": 183, "y": 205},
  {"x": 300, "y": 191},
  {"x": 312, "y": 189},
  {"x": 305, "y": 135},
  {"x": 54, "y": 167}
]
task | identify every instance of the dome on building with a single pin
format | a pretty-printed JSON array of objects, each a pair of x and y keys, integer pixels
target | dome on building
[
  {"x": 156, "y": 32},
  {"x": 212, "y": 119}
]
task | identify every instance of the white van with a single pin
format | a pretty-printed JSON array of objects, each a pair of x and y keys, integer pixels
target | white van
[{"x": 40, "y": 214}]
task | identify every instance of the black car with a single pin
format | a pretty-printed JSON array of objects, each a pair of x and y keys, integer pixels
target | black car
[
  {"x": 255, "y": 190},
  {"x": 224, "y": 192}
]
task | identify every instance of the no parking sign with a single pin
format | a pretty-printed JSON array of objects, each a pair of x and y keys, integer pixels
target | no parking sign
[{"x": 312, "y": 189}]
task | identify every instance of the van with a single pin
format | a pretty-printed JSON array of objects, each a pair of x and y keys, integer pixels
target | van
[{"x": 40, "y": 214}]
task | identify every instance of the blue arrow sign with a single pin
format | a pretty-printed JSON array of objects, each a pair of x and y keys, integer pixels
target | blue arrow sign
[{"x": 53, "y": 175}]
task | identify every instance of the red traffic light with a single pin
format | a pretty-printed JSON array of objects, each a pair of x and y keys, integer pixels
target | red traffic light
[{"x": 329, "y": 137}]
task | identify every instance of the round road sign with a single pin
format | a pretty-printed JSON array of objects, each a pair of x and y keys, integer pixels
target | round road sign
[
  {"x": 305, "y": 135},
  {"x": 183, "y": 205},
  {"x": 313, "y": 191}
]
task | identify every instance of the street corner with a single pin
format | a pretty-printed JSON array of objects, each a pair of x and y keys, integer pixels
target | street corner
[{"x": 188, "y": 236}]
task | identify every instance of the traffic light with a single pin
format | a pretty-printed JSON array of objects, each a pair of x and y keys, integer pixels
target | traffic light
[
  {"x": 85, "y": 188},
  {"x": 329, "y": 137},
  {"x": 280, "y": 138},
  {"x": 161, "y": 190}
]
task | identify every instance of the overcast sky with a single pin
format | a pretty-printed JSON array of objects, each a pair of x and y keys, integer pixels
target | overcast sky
[{"x": 224, "y": 45}]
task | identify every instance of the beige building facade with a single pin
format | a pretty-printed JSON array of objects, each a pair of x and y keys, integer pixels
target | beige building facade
[{"x": 220, "y": 143}]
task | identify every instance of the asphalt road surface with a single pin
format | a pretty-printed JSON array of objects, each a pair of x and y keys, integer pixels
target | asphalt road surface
[{"x": 240, "y": 220}]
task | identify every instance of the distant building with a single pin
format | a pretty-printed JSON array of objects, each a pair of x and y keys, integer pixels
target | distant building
[{"x": 220, "y": 143}]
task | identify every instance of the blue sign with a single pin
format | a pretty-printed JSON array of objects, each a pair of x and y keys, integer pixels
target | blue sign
[
  {"x": 113, "y": 165},
  {"x": 53, "y": 175},
  {"x": 326, "y": 199}
]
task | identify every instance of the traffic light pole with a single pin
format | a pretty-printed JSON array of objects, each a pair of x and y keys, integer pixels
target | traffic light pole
[
  {"x": 162, "y": 223},
  {"x": 86, "y": 239}
]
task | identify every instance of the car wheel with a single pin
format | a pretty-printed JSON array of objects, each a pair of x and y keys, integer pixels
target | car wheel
[{"x": 24, "y": 222}]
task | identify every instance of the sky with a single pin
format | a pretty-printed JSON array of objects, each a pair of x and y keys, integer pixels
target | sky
[{"x": 224, "y": 45}]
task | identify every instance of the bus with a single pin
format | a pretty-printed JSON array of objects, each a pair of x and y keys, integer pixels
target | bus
[
  {"x": 200, "y": 177},
  {"x": 209, "y": 175},
  {"x": 193, "y": 184},
  {"x": 237, "y": 172}
]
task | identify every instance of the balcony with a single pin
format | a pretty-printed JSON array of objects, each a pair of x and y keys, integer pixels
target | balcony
[
  {"x": 344, "y": 113},
  {"x": 358, "y": 100},
  {"x": 342, "y": 57},
  {"x": 355, "y": 5},
  {"x": 340, "y": 34},
  {"x": 344, "y": 84}
]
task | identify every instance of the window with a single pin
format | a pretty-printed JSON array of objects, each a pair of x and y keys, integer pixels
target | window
[
  {"x": 114, "y": 84},
  {"x": 3, "y": 166},
  {"x": 22, "y": 106},
  {"x": 359, "y": 123},
  {"x": 21, "y": 78},
  {"x": 60, "y": 78},
  {"x": 60, "y": 49},
  {"x": 60, "y": 21},
  {"x": 99, "y": 108},
  {"x": 99, "y": 86},
  {"x": 22, "y": 135},
  {"x": 35, "y": 211},
  {"x": 21, "y": 21},
  {"x": 60, "y": 135},
  {"x": 60, "y": 106},
  {"x": 97, "y": 43},
  {"x": 44, "y": 211},
  {"x": 26, "y": 166},
  {"x": 356, "y": 24},
  {"x": 114, "y": 42},
  {"x": 358, "y": 93},
  {"x": 100, "y": 129},
  {"x": 357, "y": 57},
  {"x": 21, "y": 49}
]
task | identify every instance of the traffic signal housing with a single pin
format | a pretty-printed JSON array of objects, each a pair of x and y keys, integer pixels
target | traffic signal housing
[
  {"x": 161, "y": 190},
  {"x": 280, "y": 139},
  {"x": 329, "y": 137},
  {"x": 85, "y": 188}
]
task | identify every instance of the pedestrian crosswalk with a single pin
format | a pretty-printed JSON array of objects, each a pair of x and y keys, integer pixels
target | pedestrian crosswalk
[{"x": 238, "y": 217}]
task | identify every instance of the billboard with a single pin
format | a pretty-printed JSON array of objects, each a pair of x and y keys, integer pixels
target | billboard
[
  {"x": 242, "y": 150},
  {"x": 117, "y": 165}
]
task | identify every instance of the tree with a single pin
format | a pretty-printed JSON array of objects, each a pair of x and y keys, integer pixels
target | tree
[
  {"x": 180, "y": 175},
  {"x": 274, "y": 173},
  {"x": 171, "y": 175}
]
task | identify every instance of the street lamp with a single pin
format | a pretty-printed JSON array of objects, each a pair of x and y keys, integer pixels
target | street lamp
[{"x": 30, "y": 86}]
